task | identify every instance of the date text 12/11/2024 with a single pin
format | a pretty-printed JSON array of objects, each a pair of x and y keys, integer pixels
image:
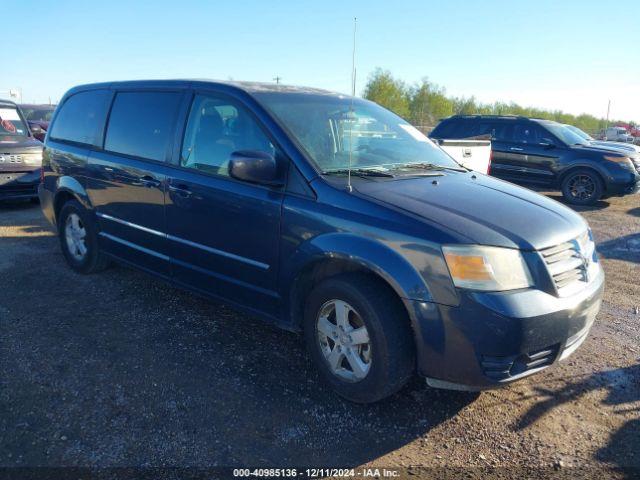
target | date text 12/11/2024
[{"x": 316, "y": 473}]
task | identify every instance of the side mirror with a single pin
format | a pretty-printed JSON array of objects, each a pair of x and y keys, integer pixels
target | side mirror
[
  {"x": 255, "y": 167},
  {"x": 36, "y": 129}
]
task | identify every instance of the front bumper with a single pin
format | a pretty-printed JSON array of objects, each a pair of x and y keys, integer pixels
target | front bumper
[
  {"x": 491, "y": 339},
  {"x": 19, "y": 185},
  {"x": 46, "y": 203},
  {"x": 632, "y": 185}
]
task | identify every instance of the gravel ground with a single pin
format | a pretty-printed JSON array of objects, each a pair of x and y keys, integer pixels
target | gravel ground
[{"x": 120, "y": 370}]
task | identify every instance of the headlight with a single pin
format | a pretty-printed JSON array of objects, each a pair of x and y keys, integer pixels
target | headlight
[
  {"x": 486, "y": 268},
  {"x": 624, "y": 162},
  {"x": 32, "y": 159}
]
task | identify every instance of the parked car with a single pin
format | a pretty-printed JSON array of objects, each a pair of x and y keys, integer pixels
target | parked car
[
  {"x": 604, "y": 144},
  {"x": 38, "y": 117},
  {"x": 616, "y": 134},
  {"x": 20, "y": 155},
  {"x": 541, "y": 152},
  {"x": 328, "y": 215}
]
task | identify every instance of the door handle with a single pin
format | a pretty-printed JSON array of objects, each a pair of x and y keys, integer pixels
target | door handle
[
  {"x": 516, "y": 149},
  {"x": 181, "y": 190},
  {"x": 149, "y": 181}
]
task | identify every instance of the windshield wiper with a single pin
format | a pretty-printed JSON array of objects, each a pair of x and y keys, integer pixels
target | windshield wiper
[
  {"x": 430, "y": 166},
  {"x": 361, "y": 172}
]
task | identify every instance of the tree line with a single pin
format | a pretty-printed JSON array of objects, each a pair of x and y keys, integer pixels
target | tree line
[{"x": 425, "y": 103}]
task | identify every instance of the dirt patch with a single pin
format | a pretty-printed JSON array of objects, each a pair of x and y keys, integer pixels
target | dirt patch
[{"x": 119, "y": 369}]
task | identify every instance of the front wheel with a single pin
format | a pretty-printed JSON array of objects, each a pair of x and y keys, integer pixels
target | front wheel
[
  {"x": 79, "y": 239},
  {"x": 582, "y": 187},
  {"x": 358, "y": 336}
]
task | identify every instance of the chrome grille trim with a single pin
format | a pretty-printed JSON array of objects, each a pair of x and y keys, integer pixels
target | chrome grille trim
[{"x": 569, "y": 263}]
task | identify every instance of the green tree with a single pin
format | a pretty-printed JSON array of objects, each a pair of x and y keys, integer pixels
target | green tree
[{"x": 385, "y": 90}]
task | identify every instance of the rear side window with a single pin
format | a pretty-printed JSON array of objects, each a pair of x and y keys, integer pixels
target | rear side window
[
  {"x": 444, "y": 129},
  {"x": 141, "y": 124},
  {"x": 81, "y": 118}
]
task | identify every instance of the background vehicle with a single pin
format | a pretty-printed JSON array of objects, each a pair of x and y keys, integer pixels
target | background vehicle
[
  {"x": 472, "y": 154},
  {"x": 545, "y": 153},
  {"x": 617, "y": 134},
  {"x": 623, "y": 146},
  {"x": 243, "y": 192},
  {"x": 38, "y": 117},
  {"x": 20, "y": 155}
]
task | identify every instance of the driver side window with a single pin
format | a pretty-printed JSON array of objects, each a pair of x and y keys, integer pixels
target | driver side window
[{"x": 217, "y": 127}]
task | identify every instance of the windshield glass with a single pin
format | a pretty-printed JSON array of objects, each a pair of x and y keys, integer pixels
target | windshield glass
[
  {"x": 331, "y": 127},
  {"x": 38, "y": 114},
  {"x": 579, "y": 132},
  {"x": 564, "y": 133},
  {"x": 11, "y": 123}
]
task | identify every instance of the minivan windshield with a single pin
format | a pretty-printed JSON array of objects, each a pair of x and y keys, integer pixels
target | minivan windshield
[
  {"x": 332, "y": 128},
  {"x": 563, "y": 133},
  {"x": 11, "y": 123}
]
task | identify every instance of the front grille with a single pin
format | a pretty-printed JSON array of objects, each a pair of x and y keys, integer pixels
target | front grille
[
  {"x": 569, "y": 263},
  {"x": 504, "y": 368},
  {"x": 5, "y": 158}
]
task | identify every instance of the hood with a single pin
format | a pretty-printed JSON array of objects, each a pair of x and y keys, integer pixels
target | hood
[
  {"x": 618, "y": 146},
  {"x": 597, "y": 148},
  {"x": 19, "y": 144},
  {"x": 487, "y": 210}
]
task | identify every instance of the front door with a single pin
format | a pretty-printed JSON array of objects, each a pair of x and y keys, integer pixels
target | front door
[
  {"x": 223, "y": 233},
  {"x": 522, "y": 153}
]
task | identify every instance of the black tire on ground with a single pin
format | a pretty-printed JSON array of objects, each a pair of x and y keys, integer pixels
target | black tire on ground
[
  {"x": 94, "y": 260},
  {"x": 582, "y": 187},
  {"x": 392, "y": 352}
]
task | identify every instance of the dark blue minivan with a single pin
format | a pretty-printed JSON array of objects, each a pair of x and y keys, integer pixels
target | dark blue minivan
[{"x": 325, "y": 214}]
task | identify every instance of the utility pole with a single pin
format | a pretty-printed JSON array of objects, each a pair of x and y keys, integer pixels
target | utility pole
[
  {"x": 277, "y": 78},
  {"x": 608, "y": 110}
]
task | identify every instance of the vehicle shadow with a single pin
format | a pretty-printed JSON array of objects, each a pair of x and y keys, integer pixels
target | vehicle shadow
[
  {"x": 634, "y": 211},
  {"x": 599, "y": 205},
  {"x": 623, "y": 248},
  {"x": 134, "y": 372},
  {"x": 622, "y": 388}
]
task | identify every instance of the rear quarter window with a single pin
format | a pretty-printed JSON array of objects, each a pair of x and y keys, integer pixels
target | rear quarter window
[
  {"x": 141, "y": 124},
  {"x": 443, "y": 129},
  {"x": 81, "y": 117}
]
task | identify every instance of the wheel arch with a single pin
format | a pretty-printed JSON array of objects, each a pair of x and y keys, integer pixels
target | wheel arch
[
  {"x": 333, "y": 254},
  {"x": 584, "y": 166},
  {"x": 69, "y": 188}
]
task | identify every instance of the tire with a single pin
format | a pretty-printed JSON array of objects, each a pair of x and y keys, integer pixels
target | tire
[
  {"x": 388, "y": 357},
  {"x": 582, "y": 187},
  {"x": 92, "y": 260}
]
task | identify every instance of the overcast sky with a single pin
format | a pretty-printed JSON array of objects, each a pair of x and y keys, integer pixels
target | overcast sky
[{"x": 569, "y": 55}]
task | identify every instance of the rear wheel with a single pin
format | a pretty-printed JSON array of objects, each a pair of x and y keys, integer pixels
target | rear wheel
[
  {"x": 79, "y": 239},
  {"x": 358, "y": 336},
  {"x": 582, "y": 187}
]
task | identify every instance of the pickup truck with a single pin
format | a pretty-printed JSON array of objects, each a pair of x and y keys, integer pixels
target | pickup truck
[{"x": 472, "y": 154}]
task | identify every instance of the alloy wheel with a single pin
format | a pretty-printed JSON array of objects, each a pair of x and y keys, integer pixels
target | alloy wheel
[
  {"x": 344, "y": 340},
  {"x": 582, "y": 187},
  {"x": 75, "y": 236}
]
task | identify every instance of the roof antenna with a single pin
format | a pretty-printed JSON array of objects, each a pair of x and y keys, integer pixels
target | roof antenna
[{"x": 353, "y": 94}]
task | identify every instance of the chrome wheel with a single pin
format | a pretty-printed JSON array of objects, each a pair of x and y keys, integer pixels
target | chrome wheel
[
  {"x": 582, "y": 187},
  {"x": 75, "y": 235},
  {"x": 344, "y": 340}
]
